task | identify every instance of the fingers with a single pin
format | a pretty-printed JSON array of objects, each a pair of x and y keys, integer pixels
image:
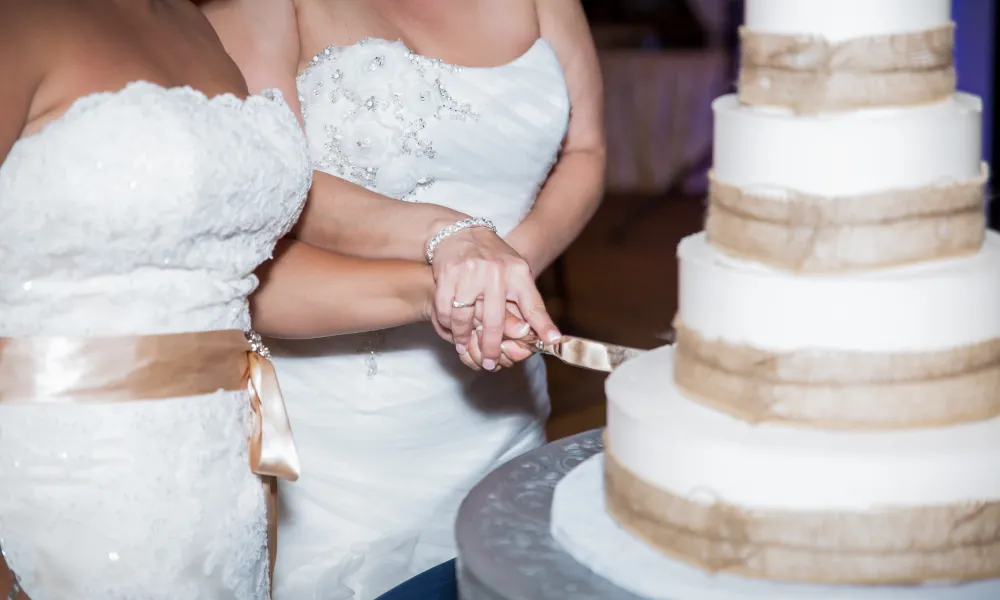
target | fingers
[
  {"x": 467, "y": 361},
  {"x": 474, "y": 357},
  {"x": 531, "y": 305},
  {"x": 467, "y": 293},
  {"x": 514, "y": 310},
  {"x": 494, "y": 319},
  {"x": 444, "y": 294},
  {"x": 514, "y": 327},
  {"x": 515, "y": 351},
  {"x": 471, "y": 357}
]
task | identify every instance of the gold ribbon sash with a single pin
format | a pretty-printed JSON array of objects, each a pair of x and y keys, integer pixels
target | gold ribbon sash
[
  {"x": 840, "y": 389},
  {"x": 154, "y": 367},
  {"x": 157, "y": 367},
  {"x": 810, "y": 74},
  {"x": 888, "y": 546},
  {"x": 803, "y": 232}
]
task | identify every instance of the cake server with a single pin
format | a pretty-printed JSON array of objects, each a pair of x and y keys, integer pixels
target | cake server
[{"x": 584, "y": 353}]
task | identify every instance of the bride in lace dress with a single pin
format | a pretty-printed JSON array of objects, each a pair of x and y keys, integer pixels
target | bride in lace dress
[
  {"x": 392, "y": 431},
  {"x": 140, "y": 189}
]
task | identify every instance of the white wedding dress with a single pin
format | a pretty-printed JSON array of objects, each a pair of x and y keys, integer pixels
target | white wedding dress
[
  {"x": 392, "y": 429},
  {"x": 141, "y": 211}
]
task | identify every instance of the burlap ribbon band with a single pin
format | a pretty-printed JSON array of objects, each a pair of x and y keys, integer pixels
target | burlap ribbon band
[
  {"x": 810, "y": 74},
  {"x": 840, "y": 389},
  {"x": 803, "y": 232},
  {"x": 157, "y": 367},
  {"x": 890, "y": 546}
]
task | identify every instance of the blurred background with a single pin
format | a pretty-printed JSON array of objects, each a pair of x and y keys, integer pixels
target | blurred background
[{"x": 664, "y": 61}]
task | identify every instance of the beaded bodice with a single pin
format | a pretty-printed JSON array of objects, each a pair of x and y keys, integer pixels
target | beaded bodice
[
  {"x": 146, "y": 210},
  {"x": 479, "y": 140}
]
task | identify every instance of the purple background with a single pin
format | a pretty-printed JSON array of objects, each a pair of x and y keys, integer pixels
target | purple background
[{"x": 974, "y": 56}]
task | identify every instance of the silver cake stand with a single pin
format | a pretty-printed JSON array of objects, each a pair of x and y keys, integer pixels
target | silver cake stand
[{"x": 505, "y": 550}]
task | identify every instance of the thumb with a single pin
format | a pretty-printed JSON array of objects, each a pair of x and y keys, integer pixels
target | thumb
[{"x": 514, "y": 327}]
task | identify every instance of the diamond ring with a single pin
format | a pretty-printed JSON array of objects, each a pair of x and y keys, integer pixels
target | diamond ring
[{"x": 458, "y": 304}]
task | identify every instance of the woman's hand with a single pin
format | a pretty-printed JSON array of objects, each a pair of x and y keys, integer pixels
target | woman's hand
[
  {"x": 512, "y": 350},
  {"x": 477, "y": 275}
]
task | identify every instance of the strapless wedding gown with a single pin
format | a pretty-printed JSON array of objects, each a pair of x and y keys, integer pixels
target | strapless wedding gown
[
  {"x": 392, "y": 429},
  {"x": 142, "y": 211}
]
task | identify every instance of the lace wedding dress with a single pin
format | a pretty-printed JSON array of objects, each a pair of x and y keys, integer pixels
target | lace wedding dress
[
  {"x": 142, "y": 211},
  {"x": 392, "y": 429}
]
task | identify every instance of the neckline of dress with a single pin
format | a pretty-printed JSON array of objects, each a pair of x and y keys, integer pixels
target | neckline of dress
[
  {"x": 94, "y": 99},
  {"x": 319, "y": 56}
]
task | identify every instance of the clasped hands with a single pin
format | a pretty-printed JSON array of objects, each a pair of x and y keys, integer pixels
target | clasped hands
[{"x": 486, "y": 301}]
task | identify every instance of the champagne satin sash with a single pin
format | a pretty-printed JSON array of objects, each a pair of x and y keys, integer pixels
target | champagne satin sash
[
  {"x": 809, "y": 74},
  {"x": 138, "y": 368},
  {"x": 883, "y": 546}
]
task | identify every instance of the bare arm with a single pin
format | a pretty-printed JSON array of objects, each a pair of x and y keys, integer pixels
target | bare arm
[
  {"x": 306, "y": 292},
  {"x": 576, "y": 185},
  {"x": 20, "y": 72},
  {"x": 262, "y": 38}
]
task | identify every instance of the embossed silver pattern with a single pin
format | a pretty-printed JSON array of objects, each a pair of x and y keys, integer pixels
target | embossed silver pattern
[{"x": 505, "y": 550}]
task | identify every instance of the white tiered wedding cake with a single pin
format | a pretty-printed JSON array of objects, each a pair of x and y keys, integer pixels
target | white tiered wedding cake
[{"x": 830, "y": 412}]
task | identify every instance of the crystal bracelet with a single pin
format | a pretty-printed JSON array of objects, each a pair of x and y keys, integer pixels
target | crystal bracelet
[{"x": 453, "y": 229}]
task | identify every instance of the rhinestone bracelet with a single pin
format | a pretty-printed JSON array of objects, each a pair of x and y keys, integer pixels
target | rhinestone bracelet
[{"x": 453, "y": 229}]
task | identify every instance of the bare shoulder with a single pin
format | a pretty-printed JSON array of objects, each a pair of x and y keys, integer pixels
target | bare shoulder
[
  {"x": 35, "y": 34},
  {"x": 26, "y": 26},
  {"x": 564, "y": 24},
  {"x": 261, "y": 36},
  {"x": 263, "y": 27},
  {"x": 28, "y": 48},
  {"x": 263, "y": 15}
]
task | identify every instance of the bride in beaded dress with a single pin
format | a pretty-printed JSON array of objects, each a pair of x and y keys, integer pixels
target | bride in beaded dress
[
  {"x": 393, "y": 433},
  {"x": 140, "y": 189}
]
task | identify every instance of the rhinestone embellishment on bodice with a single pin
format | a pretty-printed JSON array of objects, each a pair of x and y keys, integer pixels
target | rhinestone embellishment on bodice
[
  {"x": 365, "y": 109},
  {"x": 478, "y": 140}
]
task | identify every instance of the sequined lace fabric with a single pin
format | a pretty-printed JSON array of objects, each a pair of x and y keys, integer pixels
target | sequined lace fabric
[
  {"x": 140, "y": 211},
  {"x": 392, "y": 429}
]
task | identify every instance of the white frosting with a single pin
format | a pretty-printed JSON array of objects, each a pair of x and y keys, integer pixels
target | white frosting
[
  {"x": 769, "y": 149},
  {"x": 687, "y": 449},
  {"x": 837, "y": 20},
  {"x": 922, "y": 307}
]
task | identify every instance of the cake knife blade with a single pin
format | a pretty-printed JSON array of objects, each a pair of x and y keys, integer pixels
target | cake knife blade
[{"x": 584, "y": 353}]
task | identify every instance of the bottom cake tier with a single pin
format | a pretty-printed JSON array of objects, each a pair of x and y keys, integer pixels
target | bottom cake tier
[{"x": 799, "y": 504}]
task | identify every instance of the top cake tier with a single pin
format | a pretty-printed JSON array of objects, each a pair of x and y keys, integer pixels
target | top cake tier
[{"x": 835, "y": 55}]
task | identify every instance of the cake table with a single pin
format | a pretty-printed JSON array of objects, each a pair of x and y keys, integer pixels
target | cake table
[{"x": 505, "y": 550}]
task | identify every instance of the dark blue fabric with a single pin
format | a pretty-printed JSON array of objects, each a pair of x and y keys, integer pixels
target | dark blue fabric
[{"x": 434, "y": 584}]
